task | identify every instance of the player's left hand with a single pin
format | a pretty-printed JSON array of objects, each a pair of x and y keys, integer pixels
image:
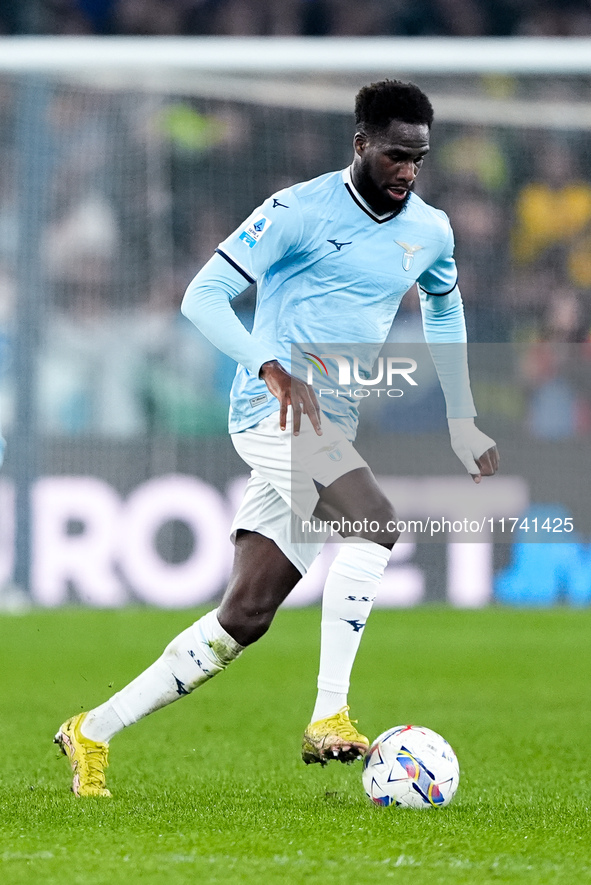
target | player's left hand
[{"x": 477, "y": 451}]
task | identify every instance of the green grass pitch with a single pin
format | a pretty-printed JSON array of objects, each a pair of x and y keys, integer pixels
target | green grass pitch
[{"x": 212, "y": 789}]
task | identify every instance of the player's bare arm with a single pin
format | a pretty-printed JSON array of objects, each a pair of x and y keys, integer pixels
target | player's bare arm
[{"x": 292, "y": 392}]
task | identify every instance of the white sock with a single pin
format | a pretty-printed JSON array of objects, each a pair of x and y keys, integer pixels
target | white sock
[
  {"x": 192, "y": 658},
  {"x": 350, "y": 589}
]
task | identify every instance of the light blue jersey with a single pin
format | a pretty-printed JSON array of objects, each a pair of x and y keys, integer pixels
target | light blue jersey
[{"x": 327, "y": 269}]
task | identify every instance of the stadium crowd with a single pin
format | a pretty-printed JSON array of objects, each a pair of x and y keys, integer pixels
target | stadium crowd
[
  {"x": 448, "y": 18},
  {"x": 143, "y": 191}
]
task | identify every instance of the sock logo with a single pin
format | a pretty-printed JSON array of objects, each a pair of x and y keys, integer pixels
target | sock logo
[
  {"x": 180, "y": 688},
  {"x": 357, "y": 625}
]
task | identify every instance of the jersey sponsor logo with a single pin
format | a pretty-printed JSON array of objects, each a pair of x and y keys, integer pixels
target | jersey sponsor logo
[
  {"x": 409, "y": 253},
  {"x": 255, "y": 230},
  {"x": 277, "y": 203},
  {"x": 338, "y": 246},
  {"x": 258, "y": 400}
]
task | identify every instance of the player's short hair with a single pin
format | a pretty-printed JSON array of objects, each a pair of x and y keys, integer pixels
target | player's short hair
[{"x": 378, "y": 104}]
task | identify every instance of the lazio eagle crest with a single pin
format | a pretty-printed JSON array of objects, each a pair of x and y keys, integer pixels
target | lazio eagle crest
[{"x": 409, "y": 254}]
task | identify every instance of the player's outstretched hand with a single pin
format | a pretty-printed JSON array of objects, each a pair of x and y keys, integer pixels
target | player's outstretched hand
[
  {"x": 477, "y": 451},
  {"x": 292, "y": 392}
]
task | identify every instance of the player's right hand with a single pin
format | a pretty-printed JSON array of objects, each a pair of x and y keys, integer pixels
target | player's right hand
[{"x": 292, "y": 392}]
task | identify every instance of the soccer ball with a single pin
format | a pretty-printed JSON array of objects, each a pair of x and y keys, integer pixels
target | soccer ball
[{"x": 412, "y": 767}]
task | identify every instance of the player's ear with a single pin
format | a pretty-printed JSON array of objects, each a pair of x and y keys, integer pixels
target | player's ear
[{"x": 359, "y": 142}]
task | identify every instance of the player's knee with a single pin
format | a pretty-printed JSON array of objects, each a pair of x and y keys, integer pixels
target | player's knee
[
  {"x": 247, "y": 617},
  {"x": 391, "y": 538},
  {"x": 389, "y": 527},
  {"x": 248, "y": 625},
  {"x": 379, "y": 524},
  {"x": 386, "y": 536}
]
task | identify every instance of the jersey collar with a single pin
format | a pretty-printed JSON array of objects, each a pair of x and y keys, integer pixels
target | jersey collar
[{"x": 356, "y": 196}]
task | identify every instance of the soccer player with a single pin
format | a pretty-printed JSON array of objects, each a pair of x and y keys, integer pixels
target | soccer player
[{"x": 332, "y": 259}]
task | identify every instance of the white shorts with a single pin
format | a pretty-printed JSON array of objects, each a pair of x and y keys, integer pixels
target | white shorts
[{"x": 282, "y": 492}]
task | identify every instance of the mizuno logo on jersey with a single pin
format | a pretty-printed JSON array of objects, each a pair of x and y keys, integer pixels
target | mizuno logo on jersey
[
  {"x": 255, "y": 230},
  {"x": 338, "y": 246},
  {"x": 409, "y": 254},
  {"x": 277, "y": 203}
]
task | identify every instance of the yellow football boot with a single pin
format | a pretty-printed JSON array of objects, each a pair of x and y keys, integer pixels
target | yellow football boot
[
  {"x": 333, "y": 738},
  {"x": 87, "y": 758}
]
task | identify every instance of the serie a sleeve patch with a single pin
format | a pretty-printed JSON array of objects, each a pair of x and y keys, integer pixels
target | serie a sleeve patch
[{"x": 255, "y": 230}]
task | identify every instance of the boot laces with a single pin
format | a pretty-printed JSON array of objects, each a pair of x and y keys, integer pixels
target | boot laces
[{"x": 94, "y": 761}]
